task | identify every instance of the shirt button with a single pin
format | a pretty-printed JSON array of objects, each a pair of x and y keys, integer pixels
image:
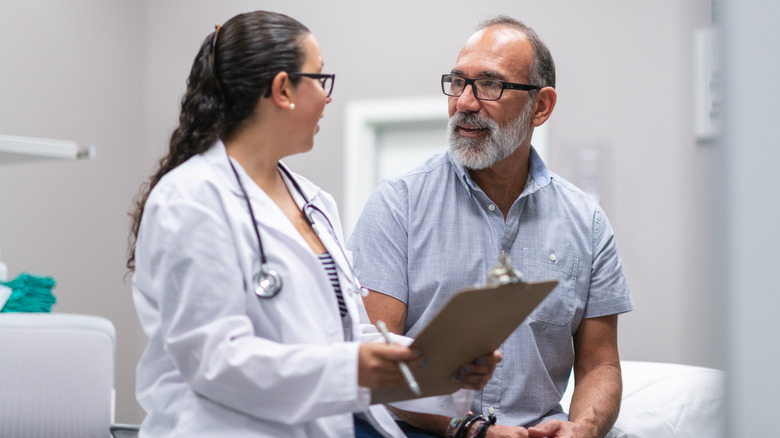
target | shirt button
[
  {"x": 491, "y": 410},
  {"x": 553, "y": 257},
  {"x": 491, "y": 207}
]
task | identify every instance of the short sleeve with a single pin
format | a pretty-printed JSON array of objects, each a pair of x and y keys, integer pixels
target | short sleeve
[
  {"x": 609, "y": 293},
  {"x": 379, "y": 242}
]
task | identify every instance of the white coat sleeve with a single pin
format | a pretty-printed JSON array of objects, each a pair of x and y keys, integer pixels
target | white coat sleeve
[{"x": 194, "y": 278}]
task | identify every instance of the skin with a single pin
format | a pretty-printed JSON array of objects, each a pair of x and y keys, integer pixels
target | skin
[
  {"x": 504, "y": 53},
  {"x": 276, "y": 131},
  {"x": 285, "y": 124}
]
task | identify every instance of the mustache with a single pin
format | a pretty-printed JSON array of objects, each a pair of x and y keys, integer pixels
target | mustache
[{"x": 475, "y": 119}]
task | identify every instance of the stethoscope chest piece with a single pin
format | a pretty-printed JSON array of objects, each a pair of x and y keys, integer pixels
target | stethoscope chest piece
[{"x": 268, "y": 283}]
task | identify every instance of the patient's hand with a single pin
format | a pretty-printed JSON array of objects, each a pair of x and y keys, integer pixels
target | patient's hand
[
  {"x": 501, "y": 431},
  {"x": 476, "y": 375}
]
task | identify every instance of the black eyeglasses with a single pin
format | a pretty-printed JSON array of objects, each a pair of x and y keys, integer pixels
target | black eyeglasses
[
  {"x": 325, "y": 80},
  {"x": 483, "y": 88}
]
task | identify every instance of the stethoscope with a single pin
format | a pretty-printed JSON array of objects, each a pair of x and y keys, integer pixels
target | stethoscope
[{"x": 268, "y": 282}]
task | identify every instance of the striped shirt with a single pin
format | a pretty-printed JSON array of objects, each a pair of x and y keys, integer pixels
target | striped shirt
[{"x": 330, "y": 269}]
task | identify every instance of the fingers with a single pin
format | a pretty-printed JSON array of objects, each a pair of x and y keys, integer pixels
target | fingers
[
  {"x": 374, "y": 372},
  {"x": 476, "y": 375},
  {"x": 497, "y": 430},
  {"x": 490, "y": 359},
  {"x": 546, "y": 429},
  {"x": 397, "y": 352},
  {"x": 378, "y": 364},
  {"x": 473, "y": 378}
]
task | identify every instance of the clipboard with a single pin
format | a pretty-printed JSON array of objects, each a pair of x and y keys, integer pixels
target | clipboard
[{"x": 473, "y": 323}]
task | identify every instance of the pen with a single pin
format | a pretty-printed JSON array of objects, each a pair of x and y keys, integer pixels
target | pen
[{"x": 410, "y": 380}]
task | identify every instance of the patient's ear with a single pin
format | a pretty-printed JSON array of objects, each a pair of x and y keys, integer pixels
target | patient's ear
[{"x": 544, "y": 102}]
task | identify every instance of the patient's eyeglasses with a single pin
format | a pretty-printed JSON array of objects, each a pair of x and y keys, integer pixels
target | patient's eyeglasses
[{"x": 483, "y": 88}]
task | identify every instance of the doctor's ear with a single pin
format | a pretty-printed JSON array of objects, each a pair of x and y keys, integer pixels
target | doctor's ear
[{"x": 281, "y": 91}]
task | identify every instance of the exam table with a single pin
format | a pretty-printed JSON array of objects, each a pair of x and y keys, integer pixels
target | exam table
[{"x": 665, "y": 400}]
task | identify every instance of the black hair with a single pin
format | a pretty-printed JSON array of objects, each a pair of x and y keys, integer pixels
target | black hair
[{"x": 232, "y": 71}]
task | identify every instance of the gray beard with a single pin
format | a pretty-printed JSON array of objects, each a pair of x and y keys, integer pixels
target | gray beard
[{"x": 479, "y": 153}]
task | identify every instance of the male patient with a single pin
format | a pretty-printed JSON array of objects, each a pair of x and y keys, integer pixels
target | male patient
[{"x": 440, "y": 228}]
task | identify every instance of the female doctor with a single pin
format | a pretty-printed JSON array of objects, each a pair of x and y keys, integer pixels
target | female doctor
[{"x": 254, "y": 315}]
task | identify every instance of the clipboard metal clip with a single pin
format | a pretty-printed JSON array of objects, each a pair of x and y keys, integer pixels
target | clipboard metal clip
[{"x": 503, "y": 272}]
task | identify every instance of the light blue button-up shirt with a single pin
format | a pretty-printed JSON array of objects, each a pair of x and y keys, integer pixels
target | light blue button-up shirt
[{"x": 432, "y": 231}]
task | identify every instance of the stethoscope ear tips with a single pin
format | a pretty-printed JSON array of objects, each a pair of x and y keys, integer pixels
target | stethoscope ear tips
[{"x": 268, "y": 283}]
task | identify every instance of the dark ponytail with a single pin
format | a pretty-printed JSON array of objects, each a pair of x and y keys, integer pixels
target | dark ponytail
[{"x": 232, "y": 71}]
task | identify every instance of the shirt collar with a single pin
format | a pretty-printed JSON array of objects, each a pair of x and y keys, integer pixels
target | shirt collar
[
  {"x": 538, "y": 175},
  {"x": 538, "y": 171},
  {"x": 463, "y": 175}
]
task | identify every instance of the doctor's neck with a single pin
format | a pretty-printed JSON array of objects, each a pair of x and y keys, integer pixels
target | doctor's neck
[{"x": 262, "y": 141}]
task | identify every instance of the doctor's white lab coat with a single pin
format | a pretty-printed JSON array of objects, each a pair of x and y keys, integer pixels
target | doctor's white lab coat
[{"x": 222, "y": 362}]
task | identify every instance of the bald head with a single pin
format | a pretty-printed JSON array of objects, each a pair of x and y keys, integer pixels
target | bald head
[{"x": 541, "y": 68}]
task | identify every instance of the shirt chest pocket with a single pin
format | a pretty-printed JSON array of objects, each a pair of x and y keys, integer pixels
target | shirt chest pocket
[{"x": 559, "y": 307}]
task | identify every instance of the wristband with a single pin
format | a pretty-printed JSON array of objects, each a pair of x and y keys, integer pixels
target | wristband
[
  {"x": 452, "y": 427},
  {"x": 479, "y": 428},
  {"x": 483, "y": 429},
  {"x": 463, "y": 428}
]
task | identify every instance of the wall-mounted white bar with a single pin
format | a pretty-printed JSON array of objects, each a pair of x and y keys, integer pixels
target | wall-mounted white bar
[{"x": 15, "y": 149}]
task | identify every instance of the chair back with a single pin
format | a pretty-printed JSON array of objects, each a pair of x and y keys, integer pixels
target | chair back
[{"x": 56, "y": 375}]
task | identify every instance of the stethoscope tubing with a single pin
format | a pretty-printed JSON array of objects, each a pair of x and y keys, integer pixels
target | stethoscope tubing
[{"x": 268, "y": 282}]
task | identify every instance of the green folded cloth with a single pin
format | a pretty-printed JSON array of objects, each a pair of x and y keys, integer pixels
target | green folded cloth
[{"x": 30, "y": 293}]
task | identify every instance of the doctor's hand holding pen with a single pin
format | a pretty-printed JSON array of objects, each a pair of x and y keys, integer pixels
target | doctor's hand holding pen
[{"x": 378, "y": 366}]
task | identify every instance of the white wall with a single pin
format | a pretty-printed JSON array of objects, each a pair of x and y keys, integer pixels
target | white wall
[
  {"x": 624, "y": 80},
  {"x": 72, "y": 70},
  {"x": 626, "y": 87}
]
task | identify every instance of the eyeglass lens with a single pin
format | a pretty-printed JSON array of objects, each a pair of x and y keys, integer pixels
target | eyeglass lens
[
  {"x": 327, "y": 84},
  {"x": 487, "y": 89}
]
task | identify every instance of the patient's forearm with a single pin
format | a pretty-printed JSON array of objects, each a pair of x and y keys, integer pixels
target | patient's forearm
[
  {"x": 596, "y": 398},
  {"x": 434, "y": 424}
]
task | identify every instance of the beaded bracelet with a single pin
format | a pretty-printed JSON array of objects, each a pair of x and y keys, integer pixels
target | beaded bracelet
[
  {"x": 478, "y": 428},
  {"x": 452, "y": 427},
  {"x": 463, "y": 428},
  {"x": 455, "y": 426},
  {"x": 483, "y": 429}
]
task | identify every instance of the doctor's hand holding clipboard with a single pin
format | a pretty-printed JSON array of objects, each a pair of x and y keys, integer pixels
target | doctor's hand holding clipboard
[{"x": 254, "y": 315}]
